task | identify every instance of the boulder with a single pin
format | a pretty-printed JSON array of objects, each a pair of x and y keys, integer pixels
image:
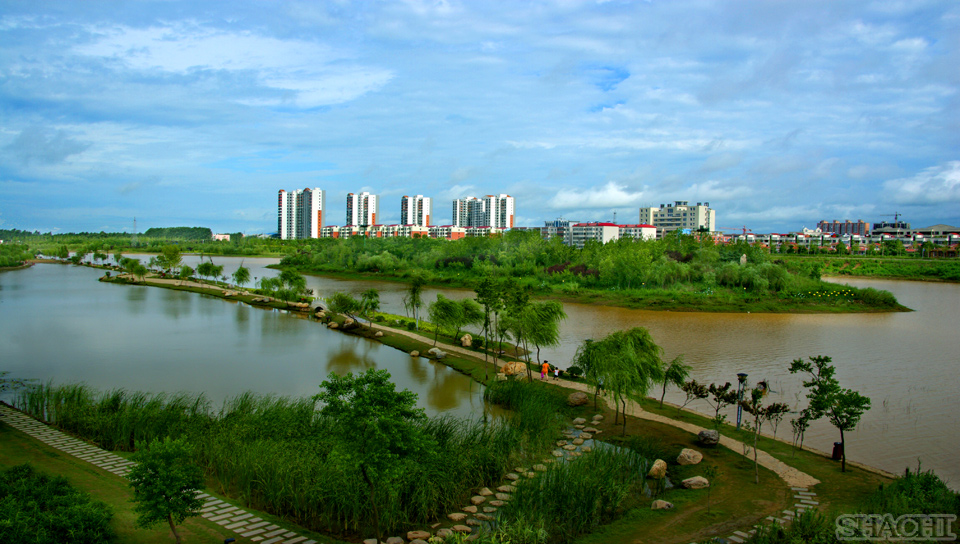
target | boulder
[
  {"x": 478, "y": 499},
  {"x": 470, "y": 509},
  {"x": 370, "y": 541},
  {"x": 485, "y": 492},
  {"x": 489, "y": 509},
  {"x": 579, "y": 421},
  {"x": 506, "y": 489},
  {"x": 503, "y": 497},
  {"x": 461, "y": 529},
  {"x": 321, "y": 313},
  {"x": 661, "y": 504},
  {"x": 414, "y": 353},
  {"x": 561, "y": 443},
  {"x": 379, "y": 334},
  {"x": 394, "y": 540},
  {"x": 516, "y": 367},
  {"x": 484, "y": 517},
  {"x": 422, "y": 535},
  {"x": 437, "y": 353},
  {"x": 569, "y": 447},
  {"x": 578, "y": 398},
  {"x": 347, "y": 322},
  {"x": 512, "y": 476},
  {"x": 333, "y": 325},
  {"x": 658, "y": 470},
  {"x": 419, "y": 541},
  {"x": 586, "y": 449},
  {"x": 709, "y": 437},
  {"x": 496, "y": 503},
  {"x": 466, "y": 340},
  {"x": 697, "y": 482},
  {"x": 597, "y": 418},
  {"x": 689, "y": 457},
  {"x": 444, "y": 533},
  {"x": 456, "y": 516},
  {"x": 586, "y": 436}
]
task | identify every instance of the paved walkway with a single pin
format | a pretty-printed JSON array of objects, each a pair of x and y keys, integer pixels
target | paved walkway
[
  {"x": 790, "y": 475},
  {"x": 232, "y": 518}
]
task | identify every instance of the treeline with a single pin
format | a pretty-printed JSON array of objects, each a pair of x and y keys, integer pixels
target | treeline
[
  {"x": 179, "y": 233},
  {"x": 900, "y": 268},
  {"x": 682, "y": 269},
  {"x": 14, "y": 254}
]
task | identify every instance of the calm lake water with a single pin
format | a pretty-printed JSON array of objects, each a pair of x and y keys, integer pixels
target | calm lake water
[
  {"x": 61, "y": 323},
  {"x": 58, "y": 322}
]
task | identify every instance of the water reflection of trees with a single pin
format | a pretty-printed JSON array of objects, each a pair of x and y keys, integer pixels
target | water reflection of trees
[
  {"x": 448, "y": 388},
  {"x": 350, "y": 357},
  {"x": 177, "y": 304}
]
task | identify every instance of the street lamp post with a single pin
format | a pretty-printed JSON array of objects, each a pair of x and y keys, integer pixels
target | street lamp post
[{"x": 741, "y": 383}]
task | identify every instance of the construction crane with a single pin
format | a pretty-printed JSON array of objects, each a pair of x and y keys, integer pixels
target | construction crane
[
  {"x": 744, "y": 228},
  {"x": 894, "y": 215}
]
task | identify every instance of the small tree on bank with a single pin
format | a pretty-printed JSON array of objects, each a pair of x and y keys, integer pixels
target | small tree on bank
[
  {"x": 761, "y": 414},
  {"x": 165, "y": 483},
  {"x": 842, "y": 407},
  {"x": 675, "y": 374}
]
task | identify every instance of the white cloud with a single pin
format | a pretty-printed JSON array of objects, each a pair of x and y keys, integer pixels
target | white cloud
[
  {"x": 715, "y": 190},
  {"x": 610, "y": 195},
  {"x": 932, "y": 186},
  {"x": 315, "y": 74}
]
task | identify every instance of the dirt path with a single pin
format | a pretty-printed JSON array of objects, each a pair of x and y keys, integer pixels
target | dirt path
[{"x": 788, "y": 474}]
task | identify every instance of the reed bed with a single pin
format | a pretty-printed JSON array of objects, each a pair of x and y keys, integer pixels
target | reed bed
[
  {"x": 278, "y": 455},
  {"x": 575, "y": 497}
]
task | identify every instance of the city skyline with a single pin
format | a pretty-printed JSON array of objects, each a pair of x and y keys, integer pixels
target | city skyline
[{"x": 780, "y": 115}]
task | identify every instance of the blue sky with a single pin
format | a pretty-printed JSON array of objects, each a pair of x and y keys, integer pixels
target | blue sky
[{"x": 196, "y": 113}]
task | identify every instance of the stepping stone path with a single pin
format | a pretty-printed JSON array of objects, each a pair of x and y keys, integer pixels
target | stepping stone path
[
  {"x": 806, "y": 500},
  {"x": 231, "y": 518}
]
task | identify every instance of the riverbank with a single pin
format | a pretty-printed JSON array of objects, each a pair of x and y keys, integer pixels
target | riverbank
[
  {"x": 828, "y": 299},
  {"x": 888, "y": 268}
]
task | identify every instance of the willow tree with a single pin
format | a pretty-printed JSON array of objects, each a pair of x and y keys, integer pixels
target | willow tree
[
  {"x": 676, "y": 374},
  {"x": 543, "y": 324}
]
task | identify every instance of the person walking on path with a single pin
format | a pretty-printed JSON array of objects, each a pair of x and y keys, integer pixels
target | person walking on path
[{"x": 544, "y": 369}]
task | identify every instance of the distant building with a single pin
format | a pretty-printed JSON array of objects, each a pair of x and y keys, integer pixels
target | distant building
[
  {"x": 216, "y": 238},
  {"x": 556, "y": 228},
  {"x": 496, "y": 211},
  {"x": 846, "y": 227},
  {"x": 362, "y": 209},
  {"x": 680, "y": 215},
  {"x": 890, "y": 227},
  {"x": 415, "y": 210},
  {"x": 581, "y": 233},
  {"x": 300, "y": 213}
]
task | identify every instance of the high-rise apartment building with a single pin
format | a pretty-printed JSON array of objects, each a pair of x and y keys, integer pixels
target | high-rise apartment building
[
  {"x": 300, "y": 213},
  {"x": 362, "y": 209},
  {"x": 680, "y": 215},
  {"x": 495, "y": 211},
  {"x": 415, "y": 210}
]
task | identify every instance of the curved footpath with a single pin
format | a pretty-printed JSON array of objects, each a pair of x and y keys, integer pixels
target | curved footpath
[{"x": 790, "y": 475}]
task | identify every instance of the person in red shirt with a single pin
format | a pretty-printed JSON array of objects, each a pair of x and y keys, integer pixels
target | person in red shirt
[{"x": 544, "y": 369}]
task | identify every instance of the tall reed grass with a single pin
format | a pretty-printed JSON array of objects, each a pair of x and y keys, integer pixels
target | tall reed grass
[
  {"x": 276, "y": 454},
  {"x": 573, "y": 498}
]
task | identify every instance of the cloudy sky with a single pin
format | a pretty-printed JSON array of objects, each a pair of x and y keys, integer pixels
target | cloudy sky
[{"x": 196, "y": 113}]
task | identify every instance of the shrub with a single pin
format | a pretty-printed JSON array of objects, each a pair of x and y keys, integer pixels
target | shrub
[{"x": 41, "y": 509}]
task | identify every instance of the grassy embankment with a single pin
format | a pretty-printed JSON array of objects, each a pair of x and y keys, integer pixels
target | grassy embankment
[
  {"x": 893, "y": 268},
  {"x": 825, "y": 298}
]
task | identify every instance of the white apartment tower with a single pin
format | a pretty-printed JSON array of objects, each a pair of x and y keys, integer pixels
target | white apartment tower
[
  {"x": 415, "y": 210},
  {"x": 490, "y": 211},
  {"x": 300, "y": 213},
  {"x": 362, "y": 209},
  {"x": 680, "y": 215}
]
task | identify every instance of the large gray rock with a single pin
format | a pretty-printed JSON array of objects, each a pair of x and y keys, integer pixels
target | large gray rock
[
  {"x": 414, "y": 353},
  {"x": 466, "y": 340},
  {"x": 658, "y": 470},
  {"x": 697, "y": 482},
  {"x": 689, "y": 457},
  {"x": 578, "y": 398},
  {"x": 436, "y": 352},
  {"x": 579, "y": 421},
  {"x": 660, "y": 504},
  {"x": 709, "y": 437},
  {"x": 516, "y": 367}
]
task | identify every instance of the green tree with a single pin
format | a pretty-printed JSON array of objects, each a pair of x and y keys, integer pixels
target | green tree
[
  {"x": 761, "y": 414},
  {"x": 377, "y": 427},
  {"x": 139, "y": 271},
  {"x": 184, "y": 273},
  {"x": 342, "y": 303},
  {"x": 205, "y": 269},
  {"x": 62, "y": 253},
  {"x": 721, "y": 396},
  {"x": 172, "y": 258},
  {"x": 842, "y": 407},
  {"x": 443, "y": 311},
  {"x": 543, "y": 324},
  {"x": 488, "y": 296},
  {"x": 694, "y": 390},
  {"x": 241, "y": 276},
  {"x": 414, "y": 298},
  {"x": 369, "y": 302},
  {"x": 165, "y": 482},
  {"x": 675, "y": 374}
]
